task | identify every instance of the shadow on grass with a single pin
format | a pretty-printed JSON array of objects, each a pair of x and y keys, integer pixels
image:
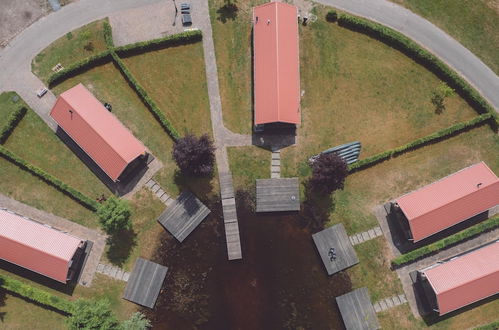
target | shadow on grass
[
  {"x": 227, "y": 12},
  {"x": 199, "y": 186},
  {"x": 120, "y": 246}
]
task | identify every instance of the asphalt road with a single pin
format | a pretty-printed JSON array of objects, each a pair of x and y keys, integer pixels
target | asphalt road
[{"x": 430, "y": 37}]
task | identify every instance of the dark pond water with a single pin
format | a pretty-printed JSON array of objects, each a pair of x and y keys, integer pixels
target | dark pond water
[{"x": 279, "y": 284}]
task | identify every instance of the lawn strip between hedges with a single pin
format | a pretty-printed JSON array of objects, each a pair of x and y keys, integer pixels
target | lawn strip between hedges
[
  {"x": 447, "y": 242},
  {"x": 12, "y": 122},
  {"x": 421, "y": 142}
]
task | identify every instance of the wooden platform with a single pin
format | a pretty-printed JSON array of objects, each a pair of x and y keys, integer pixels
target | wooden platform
[
  {"x": 230, "y": 217},
  {"x": 275, "y": 195},
  {"x": 183, "y": 215},
  {"x": 335, "y": 237},
  {"x": 357, "y": 311},
  {"x": 145, "y": 283}
]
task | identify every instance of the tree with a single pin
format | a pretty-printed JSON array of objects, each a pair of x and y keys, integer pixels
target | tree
[
  {"x": 328, "y": 173},
  {"x": 90, "y": 314},
  {"x": 438, "y": 97},
  {"x": 137, "y": 321},
  {"x": 194, "y": 156},
  {"x": 114, "y": 215}
]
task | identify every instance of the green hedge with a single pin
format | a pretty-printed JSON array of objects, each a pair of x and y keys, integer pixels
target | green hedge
[
  {"x": 484, "y": 226},
  {"x": 332, "y": 16},
  {"x": 158, "y": 114},
  {"x": 36, "y": 295},
  {"x": 78, "y": 67},
  {"x": 490, "y": 326},
  {"x": 48, "y": 178},
  {"x": 108, "y": 35},
  {"x": 432, "y": 138},
  {"x": 14, "y": 119},
  {"x": 424, "y": 57},
  {"x": 171, "y": 40}
]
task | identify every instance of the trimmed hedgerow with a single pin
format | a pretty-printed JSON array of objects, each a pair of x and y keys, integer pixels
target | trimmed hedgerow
[
  {"x": 79, "y": 67},
  {"x": 151, "y": 105},
  {"x": 482, "y": 227},
  {"x": 168, "y": 41},
  {"x": 332, "y": 16},
  {"x": 421, "y": 142},
  {"x": 422, "y": 56},
  {"x": 12, "y": 122},
  {"x": 108, "y": 35},
  {"x": 51, "y": 180},
  {"x": 36, "y": 295}
]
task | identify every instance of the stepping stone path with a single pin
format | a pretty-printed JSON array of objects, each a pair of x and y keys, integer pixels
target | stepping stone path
[
  {"x": 366, "y": 236},
  {"x": 114, "y": 272},
  {"x": 390, "y": 302},
  {"x": 159, "y": 192},
  {"x": 275, "y": 165}
]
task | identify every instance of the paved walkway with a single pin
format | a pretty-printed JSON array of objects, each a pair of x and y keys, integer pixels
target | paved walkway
[
  {"x": 98, "y": 238},
  {"x": 159, "y": 192},
  {"x": 430, "y": 37},
  {"x": 366, "y": 236},
  {"x": 275, "y": 165},
  {"x": 113, "y": 271},
  {"x": 388, "y": 303}
]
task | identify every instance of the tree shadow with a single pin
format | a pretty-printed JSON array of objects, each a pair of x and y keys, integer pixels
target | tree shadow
[
  {"x": 199, "y": 186},
  {"x": 227, "y": 12},
  {"x": 316, "y": 209},
  {"x": 120, "y": 246}
]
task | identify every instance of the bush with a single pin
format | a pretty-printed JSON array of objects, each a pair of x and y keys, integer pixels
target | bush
[
  {"x": 89, "y": 314},
  {"x": 79, "y": 67},
  {"x": 48, "y": 178},
  {"x": 34, "y": 294},
  {"x": 449, "y": 241},
  {"x": 422, "y": 56},
  {"x": 13, "y": 120},
  {"x": 418, "y": 143},
  {"x": 151, "y": 105},
  {"x": 114, "y": 215},
  {"x": 168, "y": 41},
  {"x": 332, "y": 16},
  {"x": 194, "y": 156},
  {"x": 108, "y": 35},
  {"x": 137, "y": 321}
]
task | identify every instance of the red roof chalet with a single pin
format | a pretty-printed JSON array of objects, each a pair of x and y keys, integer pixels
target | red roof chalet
[
  {"x": 37, "y": 247},
  {"x": 98, "y": 132}
]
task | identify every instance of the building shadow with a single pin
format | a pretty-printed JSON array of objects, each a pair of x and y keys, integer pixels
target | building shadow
[
  {"x": 2, "y": 300},
  {"x": 128, "y": 180},
  {"x": 275, "y": 136}
]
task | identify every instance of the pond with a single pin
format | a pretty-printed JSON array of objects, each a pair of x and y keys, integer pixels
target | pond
[{"x": 280, "y": 283}]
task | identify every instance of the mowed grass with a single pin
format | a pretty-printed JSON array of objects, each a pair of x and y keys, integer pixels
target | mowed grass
[
  {"x": 16, "y": 313},
  {"x": 474, "y": 23},
  {"x": 35, "y": 142},
  {"x": 69, "y": 49},
  {"x": 232, "y": 38},
  {"x": 358, "y": 89},
  {"x": 175, "y": 79},
  {"x": 8, "y": 105},
  {"x": 248, "y": 164}
]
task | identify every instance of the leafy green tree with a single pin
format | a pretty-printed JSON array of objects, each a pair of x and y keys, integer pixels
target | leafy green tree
[
  {"x": 90, "y": 314},
  {"x": 137, "y": 321},
  {"x": 114, "y": 215},
  {"x": 438, "y": 96}
]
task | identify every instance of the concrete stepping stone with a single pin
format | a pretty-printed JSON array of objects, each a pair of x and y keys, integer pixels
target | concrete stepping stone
[
  {"x": 402, "y": 299},
  {"x": 389, "y": 302},
  {"x": 378, "y": 231},
  {"x": 383, "y": 305},
  {"x": 150, "y": 183},
  {"x": 155, "y": 188}
]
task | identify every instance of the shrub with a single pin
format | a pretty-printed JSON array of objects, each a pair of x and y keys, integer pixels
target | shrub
[
  {"x": 79, "y": 67},
  {"x": 422, "y": 56},
  {"x": 328, "y": 173},
  {"x": 151, "y": 105},
  {"x": 114, "y": 215},
  {"x": 332, "y": 16},
  {"x": 137, "y": 321},
  {"x": 449, "y": 241},
  {"x": 418, "y": 143},
  {"x": 48, "y": 178},
  {"x": 194, "y": 156},
  {"x": 34, "y": 294},
  {"x": 108, "y": 35},
  {"x": 13, "y": 120},
  {"x": 168, "y": 41},
  {"x": 89, "y": 314}
]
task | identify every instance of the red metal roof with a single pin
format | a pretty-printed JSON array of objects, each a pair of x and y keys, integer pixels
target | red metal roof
[
  {"x": 97, "y": 131},
  {"x": 450, "y": 200},
  {"x": 466, "y": 279},
  {"x": 36, "y": 247},
  {"x": 276, "y": 63}
]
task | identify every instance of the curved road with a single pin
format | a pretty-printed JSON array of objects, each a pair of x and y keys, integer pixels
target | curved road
[{"x": 430, "y": 37}]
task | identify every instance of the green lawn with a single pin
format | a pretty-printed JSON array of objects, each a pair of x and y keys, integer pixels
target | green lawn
[
  {"x": 175, "y": 79},
  {"x": 232, "y": 40},
  {"x": 34, "y": 141},
  {"x": 472, "y": 22},
  {"x": 8, "y": 104},
  {"x": 69, "y": 49},
  {"x": 248, "y": 164}
]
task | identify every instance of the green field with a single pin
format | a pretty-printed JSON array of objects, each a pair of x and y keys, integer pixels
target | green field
[{"x": 248, "y": 164}]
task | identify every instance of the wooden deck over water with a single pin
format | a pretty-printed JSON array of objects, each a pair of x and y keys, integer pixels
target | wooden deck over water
[
  {"x": 275, "y": 195},
  {"x": 183, "y": 215},
  {"x": 357, "y": 311},
  {"x": 335, "y": 248},
  {"x": 230, "y": 217}
]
